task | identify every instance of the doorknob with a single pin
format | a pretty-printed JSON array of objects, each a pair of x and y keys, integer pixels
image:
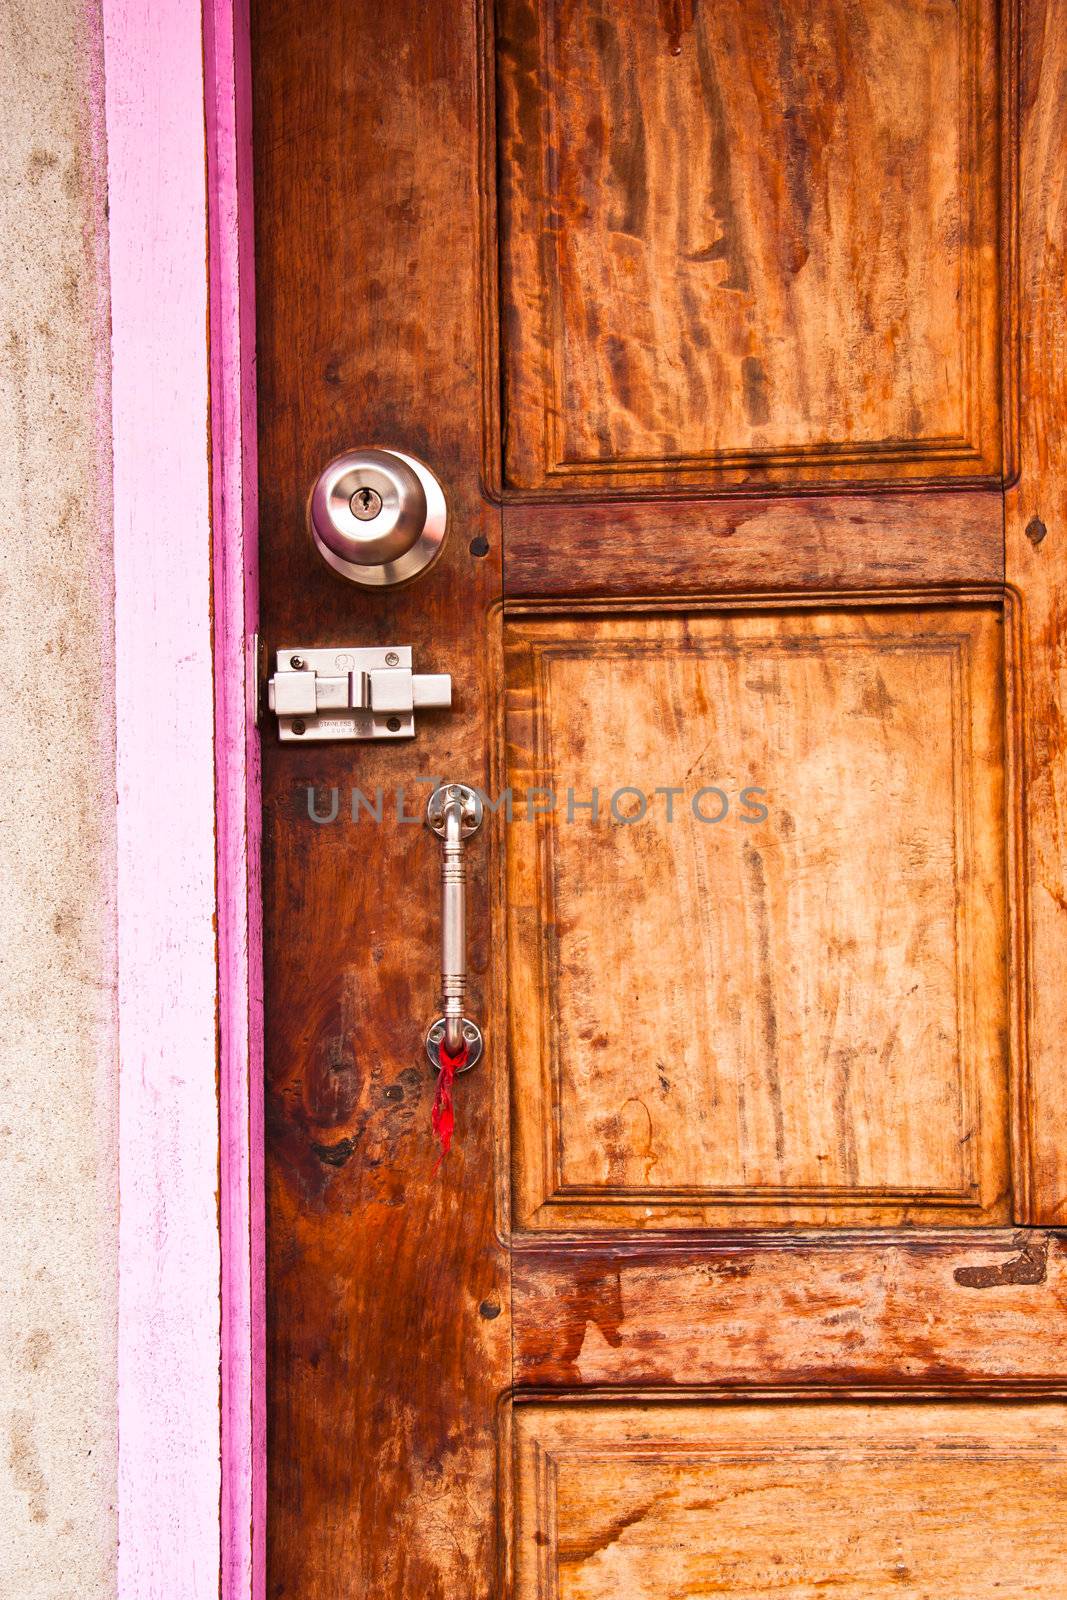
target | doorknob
[
  {"x": 378, "y": 517},
  {"x": 454, "y": 813}
]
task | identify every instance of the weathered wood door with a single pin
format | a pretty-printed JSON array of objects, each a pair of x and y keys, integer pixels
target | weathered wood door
[{"x": 736, "y": 334}]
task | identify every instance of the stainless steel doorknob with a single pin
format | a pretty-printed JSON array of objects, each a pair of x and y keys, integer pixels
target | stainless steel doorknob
[{"x": 378, "y": 517}]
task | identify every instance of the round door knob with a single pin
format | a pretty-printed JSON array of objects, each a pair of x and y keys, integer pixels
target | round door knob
[{"x": 377, "y": 517}]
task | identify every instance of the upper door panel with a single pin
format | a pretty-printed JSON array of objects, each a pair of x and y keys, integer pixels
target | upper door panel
[{"x": 743, "y": 244}]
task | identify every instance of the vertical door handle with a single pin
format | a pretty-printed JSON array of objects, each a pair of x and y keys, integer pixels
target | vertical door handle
[{"x": 454, "y": 812}]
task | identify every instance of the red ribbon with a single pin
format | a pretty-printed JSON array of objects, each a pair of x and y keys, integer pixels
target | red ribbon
[{"x": 443, "y": 1115}]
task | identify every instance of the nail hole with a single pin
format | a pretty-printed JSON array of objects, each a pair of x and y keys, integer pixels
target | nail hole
[
  {"x": 479, "y": 546},
  {"x": 1035, "y": 530},
  {"x": 489, "y": 1309}
]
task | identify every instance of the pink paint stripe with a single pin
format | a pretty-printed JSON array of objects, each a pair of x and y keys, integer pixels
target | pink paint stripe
[
  {"x": 233, "y": 447},
  {"x": 169, "y": 1474}
]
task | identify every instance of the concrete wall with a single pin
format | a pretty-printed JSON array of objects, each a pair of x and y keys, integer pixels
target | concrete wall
[{"x": 58, "y": 1189}]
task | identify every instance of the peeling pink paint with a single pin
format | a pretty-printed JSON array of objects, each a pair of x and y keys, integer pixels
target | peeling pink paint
[
  {"x": 233, "y": 445},
  {"x": 191, "y": 1459}
]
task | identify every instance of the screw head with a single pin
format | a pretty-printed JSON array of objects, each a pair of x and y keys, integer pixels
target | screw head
[
  {"x": 297, "y": 663},
  {"x": 365, "y": 504},
  {"x": 299, "y": 725},
  {"x": 392, "y": 659},
  {"x": 393, "y": 724}
]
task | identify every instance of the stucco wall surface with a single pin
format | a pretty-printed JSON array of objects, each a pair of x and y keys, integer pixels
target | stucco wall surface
[{"x": 58, "y": 1184}]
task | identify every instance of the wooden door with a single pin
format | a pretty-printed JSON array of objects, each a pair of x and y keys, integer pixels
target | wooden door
[{"x": 736, "y": 334}]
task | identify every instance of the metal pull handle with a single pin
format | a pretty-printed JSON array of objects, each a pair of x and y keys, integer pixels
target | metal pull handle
[{"x": 454, "y": 813}]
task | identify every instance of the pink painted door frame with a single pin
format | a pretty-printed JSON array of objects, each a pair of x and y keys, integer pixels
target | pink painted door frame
[{"x": 191, "y": 1284}]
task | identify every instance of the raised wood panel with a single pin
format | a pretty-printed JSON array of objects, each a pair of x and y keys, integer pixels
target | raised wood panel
[
  {"x": 799, "y": 1018},
  {"x": 968, "y": 1309},
  {"x": 823, "y": 542},
  {"x": 950, "y": 1502},
  {"x": 744, "y": 243}
]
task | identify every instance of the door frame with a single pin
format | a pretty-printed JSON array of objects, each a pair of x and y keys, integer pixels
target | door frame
[{"x": 181, "y": 414}]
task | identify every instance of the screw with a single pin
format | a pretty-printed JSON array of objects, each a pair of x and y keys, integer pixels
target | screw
[
  {"x": 393, "y": 724},
  {"x": 299, "y": 725},
  {"x": 365, "y": 504},
  {"x": 392, "y": 659},
  {"x": 297, "y": 663},
  {"x": 470, "y": 1033}
]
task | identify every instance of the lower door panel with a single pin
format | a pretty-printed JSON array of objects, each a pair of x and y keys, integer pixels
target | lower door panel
[{"x": 649, "y": 1501}]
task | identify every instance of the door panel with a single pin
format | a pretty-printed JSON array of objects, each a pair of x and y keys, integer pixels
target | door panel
[
  {"x": 711, "y": 320},
  {"x": 654, "y": 1501},
  {"x": 800, "y": 287},
  {"x": 764, "y": 980}
]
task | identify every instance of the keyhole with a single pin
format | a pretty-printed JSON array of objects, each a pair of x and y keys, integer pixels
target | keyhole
[{"x": 365, "y": 504}]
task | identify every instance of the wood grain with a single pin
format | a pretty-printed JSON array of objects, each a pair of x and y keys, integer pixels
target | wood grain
[
  {"x": 388, "y": 1326},
  {"x": 753, "y": 244},
  {"x": 955, "y": 1311},
  {"x": 823, "y": 542},
  {"x": 762, "y": 1501},
  {"x": 1036, "y": 540},
  {"x": 784, "y": 1001}
]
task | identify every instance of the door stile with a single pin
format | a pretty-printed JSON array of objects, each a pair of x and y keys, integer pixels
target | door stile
[
  {"x": 1036, "y": 505},
  {"x": 373, "y": 331}
]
